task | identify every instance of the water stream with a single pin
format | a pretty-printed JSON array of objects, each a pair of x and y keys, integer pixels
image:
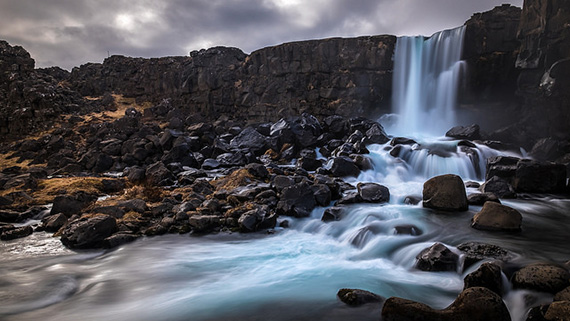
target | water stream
[{"x": 294, "y": 273}]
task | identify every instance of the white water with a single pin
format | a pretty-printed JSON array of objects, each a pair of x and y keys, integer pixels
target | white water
[{"x": 427, "y": 73}]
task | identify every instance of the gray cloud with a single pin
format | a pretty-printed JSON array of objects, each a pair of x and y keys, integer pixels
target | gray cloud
[{"x": 68, "y": 33}]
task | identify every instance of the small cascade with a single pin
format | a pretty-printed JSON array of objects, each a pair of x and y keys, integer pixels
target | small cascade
[{"x": 427, "y": 73}]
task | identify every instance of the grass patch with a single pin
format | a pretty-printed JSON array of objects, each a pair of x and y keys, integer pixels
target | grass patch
[
  {"x": 7, "y": 160},
  {"x": 240, "y": 177}
]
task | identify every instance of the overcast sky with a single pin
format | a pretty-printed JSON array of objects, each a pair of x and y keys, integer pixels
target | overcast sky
[{"x": 68, "y": 33}]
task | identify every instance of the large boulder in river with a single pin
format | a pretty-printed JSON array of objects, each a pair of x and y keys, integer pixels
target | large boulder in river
[
  {"x": 446, "y": 193},
  {"x": 488, "y": 275},
  {"x": 542, "y": 277},
  {"x": 437, "y": 258},
  {"x": 297, "y": 200},
  {"x": 497, "y": 217},
  {"x": 373, "y": 193},
  {"x": 89, "y": 231},
  {"x": 344, "y": 166},
  {"x": 477, "y": 303}
]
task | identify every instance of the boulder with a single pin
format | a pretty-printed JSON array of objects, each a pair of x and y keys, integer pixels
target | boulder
[
  {"x": 204, "y": 223},
  {"x": 481, "y": 198},
  {"x": 323, "y": 195},
  {"x": 54, "y": 222},
  {"x": 475, "y": 304},
  {"x": 16, "y": 233},
  {"x": 476, "y": 251},
  {"x": 539, "y": 177},
  {"x": 257, "y": 170},
  {"x": 563, "y": 295},
  {"x": 158, "y": 175},
  {"x": 446, "y": 193},
  {"x": 407, "y": 229},
  {"x": 250, "y": 139},
  {"x": 334, "y": 213},
  {"x": 499, "y": 186},
  {"x": 373, "y": 193},
  {"x": 257, "y": 219},
  {"x": 89, "y": 231},
  {"x": 343, "y": 166},
  {"x": 497, "y": 217},
  {"x": 119, "y": 239},
  {"x": 357, "y": 297},
  {"x": 470, "y": 132},
  {"x": 437, "y": 258},
  {"x": 297, "y": 200},
  {"x": 542, "y": 277},
  {"x": 558, "y": 311},
  {"x": 72, "y": 204},
  {"x": 376, "y": 135},
  {"x": 501, "y": 166},
  {"x": 488, "y": 275}
]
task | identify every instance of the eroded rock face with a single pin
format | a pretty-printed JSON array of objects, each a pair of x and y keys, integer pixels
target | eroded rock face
[
  {"x": 445, "y": 192},
  {"x": 477, "y": 303}
]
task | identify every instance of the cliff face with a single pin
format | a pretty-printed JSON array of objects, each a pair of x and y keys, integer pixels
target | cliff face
[{"x": 322, "y": 77}]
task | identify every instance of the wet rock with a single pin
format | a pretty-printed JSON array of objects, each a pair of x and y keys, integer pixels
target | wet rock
[
  {"x": 437, "y": 258},
  {"x": 559, "y": 310},
  {"x": 563, "y": 295},
  {"x": 306, "y": 129},
  {"x": 475, "y": 304},
  {"x": 89, "y": 231},
  {"x": 280, "y": 182},
  {"x": 376, "y": 135},
  {"x": 334, "y": 213},
  {"x": 309, "y": 164},
  {"x": 476, "y": 251},
  {"x": 72, "y": 204},
  {"x": 501, "y": 166},
  {"x": 445, "y": 192},
  {"x": 412, "y": 199},
  {"x": 471, "y": 184},
  {"x": 250, "y": 139},
  {"x": 113, "y": 211},
  {"x": 204, "y": 223},
  {"x": 54, "y": 222},
  {"x": 357, "y": 297},
  {"x": 210, "y": 163},
  {"x": 349, "y": 198},
  {"x": 297, "y": 200},
  {"x": 499, "y": 186},
  {"x": 9, "y": 216},
  {"x": 322, "y": 194},
  {"x": 497, "y": 217},
  {"x": 481, "y": 198},
  {"x": 257, "y": 219},
  {"x": 119, "y": 239},
  {"x": 402, "y": 141},
  {"x": 158, "y": 175},
  {"x": 138, "y": 205},
  {"x": 488, "y": 275},
  {"x": 407, "y": 230},
  {"x": 373, "y": 193},
  {"x": 16, "y": 233},
  {"x": 470, "y": 132},
  {"x": 539, "y": 177},
  {"x": 336, "y": 125},
  {"x": 343, "y": 166},
  {"x": 542, "y": 277},
  {"x": 180, "y": 154}
]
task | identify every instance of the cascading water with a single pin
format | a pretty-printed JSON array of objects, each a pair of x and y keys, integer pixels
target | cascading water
[
  {"x": 295, "y": 273},
  {"x": 427, "y": 73}
]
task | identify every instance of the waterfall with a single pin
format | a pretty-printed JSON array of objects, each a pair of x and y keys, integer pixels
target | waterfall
[{"x": 427, "y": 73}]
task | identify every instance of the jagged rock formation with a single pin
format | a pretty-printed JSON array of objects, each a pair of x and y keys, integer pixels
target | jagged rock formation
[{"x": 349, "y": 77}]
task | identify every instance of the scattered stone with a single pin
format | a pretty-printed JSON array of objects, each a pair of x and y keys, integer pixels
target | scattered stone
[
  {"x": 357, "y": 297},
  {"x": 542, "y": 277},
  {"x": 16, "y": 233},
  {"x": 473, "y": 304},
  {"x": 54, "y": 222},
  {"x": 437, "y": 258},
  {"x": 119, "y": 239},
  {"x": 481, "y": 198},
  {"x": 500, "y": 187},
  {"x": 204, "y": 223},
  {"x": 89, "y": 231},
  {"x": 488, "y": 275},
  {"x": 446, "y": 193},
  {"x": 497, "y": 217},
  {"x": 563, "y": 295},
  {"x": 476, "y": 251},
  {"x": 158, "y": 175},
  {"x": 334, "y": 213},
  {"x": 407, "y": 230},
  {"x": 257, "y": 170},
  {"x": 297, "y": 200},
  {"x": 373, "y": 193},
  {"x": 72, "y": 204},
  {"x": 136, "y": 204},
  {"x": 343, "y": 166}
]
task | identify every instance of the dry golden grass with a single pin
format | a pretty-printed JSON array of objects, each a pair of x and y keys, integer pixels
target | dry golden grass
[
  {"x": 6, "y": 161},
  {"x": 240, "y": 177},
  {"x": 48, "y": 189}
]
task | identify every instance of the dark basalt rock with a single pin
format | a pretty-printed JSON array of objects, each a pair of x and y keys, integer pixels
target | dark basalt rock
[
  {"x": 499, "y": 187},
  {"x": 297, "y": 200},
  {"x": 250, "y": 139},
  {"x": 476, "y": 251},
  {"x": 119, "y": 239},
  {"x": 89, "y": 231},
  {"x": 343, "y": 166},
  {"x": 373, "y": 193},
  {"x": 158, "y": 175},
  {"x": 445, "y": 192},
  {"x": 475, "y": 304},
  {"x": 481, "y": 198},
  {"x": 542, "y": 277},
  {"x": 16, "y": 233},
  {"x": 407, "y": 230},
  {"x": 204, "y": 223},
  {"x": 334, "y": 213},
  {"x": 563, "y": 295},
  {"x": 437, "y": 258},
  {"x": 488, "y": 275},
  {"x": 54, "y": 222},
  {"x": 497, "y": 217},
  {"x": 357, "y": 297},
  {"x": 72, "y": 204},
  {"x": 470, "y": 132},
  {"x": 536, "y": 177}
]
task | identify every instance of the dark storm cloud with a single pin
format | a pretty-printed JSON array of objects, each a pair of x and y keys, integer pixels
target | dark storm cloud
[{"x": 71, "y": 32}]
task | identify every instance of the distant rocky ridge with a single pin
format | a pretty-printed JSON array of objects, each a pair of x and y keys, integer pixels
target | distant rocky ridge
[{"x": 517, "y": 72}]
